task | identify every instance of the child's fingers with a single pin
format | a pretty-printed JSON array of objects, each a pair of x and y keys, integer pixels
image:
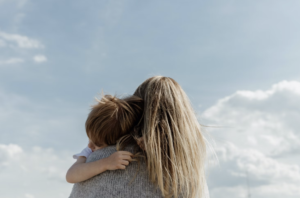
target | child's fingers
[
  {"x": 125, "y": 162},
  {"x": 126, "y": 157},
  {"x": 121, "y": 166}
]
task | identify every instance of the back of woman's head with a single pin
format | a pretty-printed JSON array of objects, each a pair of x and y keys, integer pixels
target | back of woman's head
[
  {"x": 173, "y": 142},
  {"x": 112, "y": 117}
]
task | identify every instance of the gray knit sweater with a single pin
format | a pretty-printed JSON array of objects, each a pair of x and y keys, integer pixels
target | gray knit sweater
[{"x": 116, "y": 184}]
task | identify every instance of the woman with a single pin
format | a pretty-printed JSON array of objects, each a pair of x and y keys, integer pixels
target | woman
[
  {"x": 174, "y": 148},
  {"x": 173, "y": 142}
]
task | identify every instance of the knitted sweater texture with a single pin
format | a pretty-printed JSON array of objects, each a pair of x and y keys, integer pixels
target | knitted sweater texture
[{"x": 117, "y": 183}]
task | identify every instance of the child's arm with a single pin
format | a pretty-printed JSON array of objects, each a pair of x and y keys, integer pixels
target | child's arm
[{"x": 81, "y": 171}]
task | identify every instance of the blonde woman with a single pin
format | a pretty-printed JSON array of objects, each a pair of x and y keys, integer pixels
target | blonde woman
[
  {"x": 173, "y": 145},
  {"x": 172, "y": 139}
]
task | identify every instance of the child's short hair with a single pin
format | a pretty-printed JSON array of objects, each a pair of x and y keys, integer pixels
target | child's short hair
[{"x": 112, "y": 117}]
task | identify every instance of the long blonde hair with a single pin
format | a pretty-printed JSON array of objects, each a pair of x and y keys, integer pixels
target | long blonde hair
[{"x": 174, "y": 145}]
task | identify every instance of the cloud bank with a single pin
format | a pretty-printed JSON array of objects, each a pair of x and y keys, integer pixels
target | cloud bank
[
  {"x": 36, "y": 172},
  {"x": 258, "y": 141}
]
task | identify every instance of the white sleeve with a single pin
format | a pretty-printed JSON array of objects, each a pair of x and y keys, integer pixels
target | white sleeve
[{"x": 85, "y": 152}]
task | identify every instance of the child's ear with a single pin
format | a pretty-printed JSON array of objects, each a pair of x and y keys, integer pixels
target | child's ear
[{"x": 91, "y": 145}]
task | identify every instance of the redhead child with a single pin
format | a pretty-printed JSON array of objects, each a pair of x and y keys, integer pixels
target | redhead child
[{"x": 109, "y": 120}]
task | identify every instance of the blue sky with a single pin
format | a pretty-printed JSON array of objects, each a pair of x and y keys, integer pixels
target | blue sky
[{"x": 56, "y": 56}]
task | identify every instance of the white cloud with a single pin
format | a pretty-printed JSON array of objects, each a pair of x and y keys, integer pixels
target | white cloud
[
  {"x": 271, "y": 117},
  {"x": 264, "y": 174},
  {"x": 27, "y": 195},
  {"x": 8, "y": 153},
  {"x": 11, "y": 61},
  {"x": 19, "y": 47},
  {"x": 40, "y": 58},
  {"x": 20, "y": 41},
  {"x": 259, "y": 135},
  {"x": 34, "y": 170},
  {"x": 258, "y": 165},
  {"x": 273, "y": 191}
]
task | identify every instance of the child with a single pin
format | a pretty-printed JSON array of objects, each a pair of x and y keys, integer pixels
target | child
[{"x": 109, "y": 120}]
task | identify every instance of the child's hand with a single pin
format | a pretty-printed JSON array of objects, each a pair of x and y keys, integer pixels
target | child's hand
[{"x": 118, "y": 160}]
